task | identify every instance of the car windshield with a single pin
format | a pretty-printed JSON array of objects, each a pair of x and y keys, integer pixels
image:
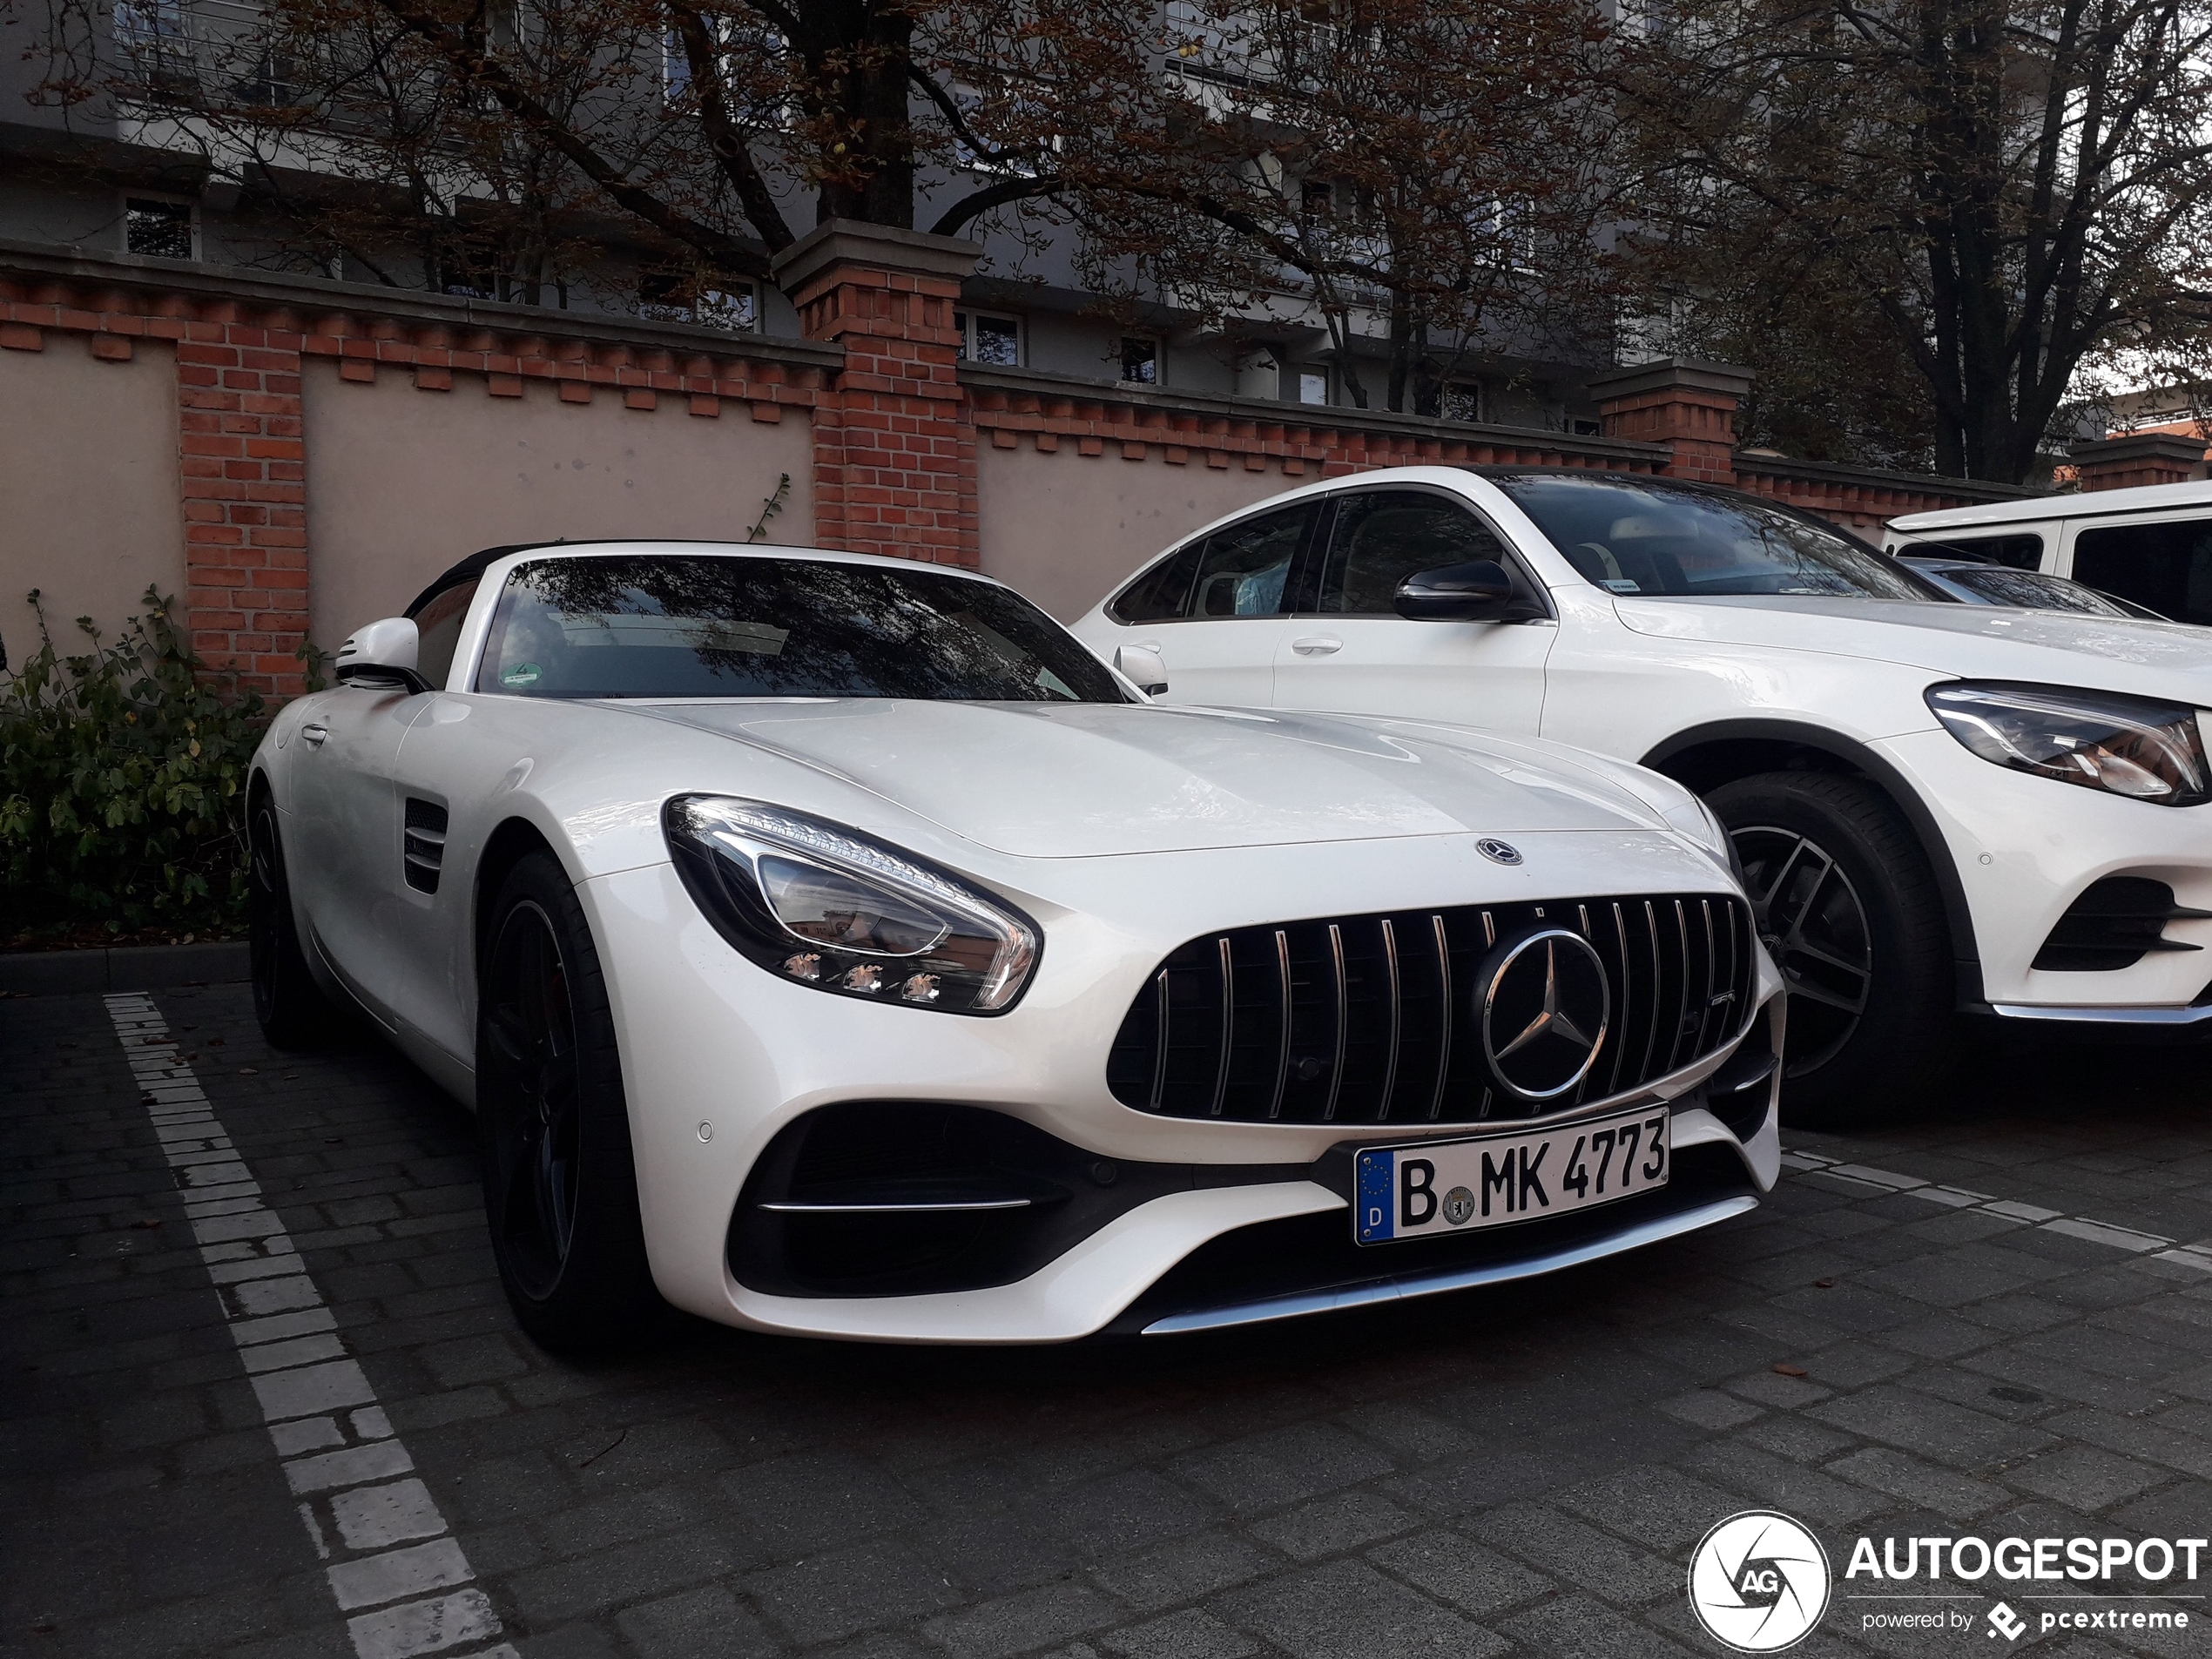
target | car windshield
[
  {"x": 1635, "y": 539},
  {"x": 1995, "y": 584},
  {"x": 699, "y": 625}
]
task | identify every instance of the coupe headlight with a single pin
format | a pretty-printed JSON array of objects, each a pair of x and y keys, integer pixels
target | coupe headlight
[
  {"x": 2126, "y": 745},
  {"x": 828, "y": 907}
]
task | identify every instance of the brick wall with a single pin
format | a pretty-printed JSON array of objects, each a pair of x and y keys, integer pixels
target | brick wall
[{"x": 893, "y": 425}]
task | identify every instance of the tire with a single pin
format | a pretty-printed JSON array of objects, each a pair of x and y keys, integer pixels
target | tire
[
  {"x": 292, "y": 1009},
  {"x": 560, "y": 1181},
  {"x": 1844, "y": 898}
]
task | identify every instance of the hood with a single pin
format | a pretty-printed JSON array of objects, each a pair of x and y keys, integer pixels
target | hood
[
  {"x": 2164, "y": 659},
  {"x": 1079, "y": 780}
]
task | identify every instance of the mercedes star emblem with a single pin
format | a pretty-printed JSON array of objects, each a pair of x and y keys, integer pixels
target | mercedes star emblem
[
  {"x": 1545, "y": 1008},
  {"x": 1498, "y": 851}
]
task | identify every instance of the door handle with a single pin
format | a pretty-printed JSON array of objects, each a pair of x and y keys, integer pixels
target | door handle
[
  {"x": 315, "y": 734},
  {"x": 1315, "y": 645}
]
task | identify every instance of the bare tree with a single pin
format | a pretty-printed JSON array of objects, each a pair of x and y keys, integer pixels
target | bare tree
[{"x": 2008, "y": 190}]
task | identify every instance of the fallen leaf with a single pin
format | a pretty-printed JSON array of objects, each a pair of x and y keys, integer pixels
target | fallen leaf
[
  {"x": 217, "y": 1042},
  {"x": 247, "y": 1071},
  {"x": 1789, "y": 1371},
  {"x": 148, "y": 1222},
  {"x": 1824, "y": 1284}
]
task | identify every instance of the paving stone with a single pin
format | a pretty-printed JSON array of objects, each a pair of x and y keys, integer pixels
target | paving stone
[
  {"x": 2085, "y": 1477},
  {"x": 847, "y": 1591},
  {"x": 1328, "y": 1526},
  {"x": 1017, "y": 1623},
  {"x": 1563, "y": 1547},
  {"x": 1576, "y": 1627},
  {"x": 1955, "y": 1496},
  {"x": 1191, "y": 1634},
  {"x": 1343, "y": 1607},
  {"x": 1455, "y": 1570}
]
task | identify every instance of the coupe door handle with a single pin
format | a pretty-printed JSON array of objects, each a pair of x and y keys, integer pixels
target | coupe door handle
[
  {"x": 1315, "y": 645},
  {"x": 315, "y": 734}
]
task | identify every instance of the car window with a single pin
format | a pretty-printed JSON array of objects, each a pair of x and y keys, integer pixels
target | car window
[
  {"x": 2167, "y": 566},
  {"x": 1633, "y": 538},
  {"x": 1162, "y": 593},
  {"x": 1381, "y": 536},
  {"x": 438, "y": 623},
  {"x": 1244, "y": 568},
  {"x": 2002, "y": 586},
  {"x": 2022, "y": 552},
  {"x": 648, "y": 625}
]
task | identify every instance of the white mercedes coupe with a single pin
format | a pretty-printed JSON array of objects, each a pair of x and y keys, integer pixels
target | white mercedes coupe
[{"x": 831, "y": 945}]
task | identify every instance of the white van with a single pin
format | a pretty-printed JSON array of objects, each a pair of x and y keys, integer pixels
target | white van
[{"x": 2153, "y": 546}]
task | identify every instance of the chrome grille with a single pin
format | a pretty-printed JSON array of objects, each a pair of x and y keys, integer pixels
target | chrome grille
[{"x": 1373, "y": 1019}]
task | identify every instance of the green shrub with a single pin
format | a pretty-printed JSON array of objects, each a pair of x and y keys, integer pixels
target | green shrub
[{"x": 123, "y": 786}]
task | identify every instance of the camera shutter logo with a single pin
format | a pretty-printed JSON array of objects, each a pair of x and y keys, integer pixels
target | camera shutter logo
[{"x": 1759, "y": 1582}]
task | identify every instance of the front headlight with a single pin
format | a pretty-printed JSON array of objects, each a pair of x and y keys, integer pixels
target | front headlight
[
  {"x": 2124, "y": 745},
  {"x": 828, "y": 907}
]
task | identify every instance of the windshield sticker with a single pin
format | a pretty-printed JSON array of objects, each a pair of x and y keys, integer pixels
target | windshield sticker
[{"x": 520, "y": 674}]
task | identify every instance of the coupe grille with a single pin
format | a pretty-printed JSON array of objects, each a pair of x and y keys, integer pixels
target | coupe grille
[{"x": 1378, "y": 1018}]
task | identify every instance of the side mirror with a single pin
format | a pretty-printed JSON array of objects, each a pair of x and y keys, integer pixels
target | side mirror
[
  {"x": 1478, "y": 591},
  {"x": 1143, "y": 667},
  {"x": 383, "y": 655}
]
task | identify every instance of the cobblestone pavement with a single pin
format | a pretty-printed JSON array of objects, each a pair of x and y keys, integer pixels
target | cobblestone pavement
[{"x": 2022, "y": 1346}]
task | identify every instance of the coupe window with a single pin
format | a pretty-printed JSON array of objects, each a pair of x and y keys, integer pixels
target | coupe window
[
  {"x": 634, "y": 625},
  {"x": 1633, "y": 538},
  {"x": 2002, "y": 586}
]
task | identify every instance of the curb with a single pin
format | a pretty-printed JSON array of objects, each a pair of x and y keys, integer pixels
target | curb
[{"x": 123, "y": 967}]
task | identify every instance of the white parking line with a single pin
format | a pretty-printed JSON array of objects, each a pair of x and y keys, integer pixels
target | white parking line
[
  {"x": 2096, "y": 1233},
  {"x": 340, "y": 1456}
]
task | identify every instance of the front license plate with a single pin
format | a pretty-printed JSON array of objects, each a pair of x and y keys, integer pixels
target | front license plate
[{"x": 1485, "y": 1181}]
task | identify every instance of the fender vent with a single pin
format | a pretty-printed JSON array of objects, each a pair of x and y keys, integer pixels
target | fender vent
[
  {"x": 422, "y": 848},
  {"x": 2114, "y": 925}
]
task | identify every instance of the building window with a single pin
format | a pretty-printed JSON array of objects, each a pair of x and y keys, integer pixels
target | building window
[
  {"x": 987, "y": 339},
  {"x": 1582, "y": 428},
  {"x": 161, "y": 230},
  {"x": 1141, "y": 360},
  {"x": 1313, "y": 386},
  {"x": 669, "y": 296},
  {"x": 1462, "y": 400}
]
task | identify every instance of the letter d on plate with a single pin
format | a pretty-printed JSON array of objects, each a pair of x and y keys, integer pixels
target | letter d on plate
[{"x": 1376, "y": 1195}]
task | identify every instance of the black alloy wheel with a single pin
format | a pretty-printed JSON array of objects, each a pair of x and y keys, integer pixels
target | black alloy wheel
[
  {"x": 553, "y": 1128},
  {"x": 1809, "y": 918},
  {"x": 1847, "y": 906},
  {"x": 291, "y": 1008},
  {"x": 536, "y": 1137}
]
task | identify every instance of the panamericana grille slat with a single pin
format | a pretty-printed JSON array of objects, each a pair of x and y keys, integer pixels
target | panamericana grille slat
[{"x": 1373, "y": 1019}]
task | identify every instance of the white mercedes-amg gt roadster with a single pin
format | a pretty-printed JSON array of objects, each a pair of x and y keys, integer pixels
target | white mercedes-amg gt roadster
[{"x": 831, "y": 945}]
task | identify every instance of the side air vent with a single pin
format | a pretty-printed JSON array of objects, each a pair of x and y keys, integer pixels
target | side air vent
[
  {"x": 2114, "y": 925},
  {"x": 422, "y": 848},
  {"x": 1378, "y": 1018}
]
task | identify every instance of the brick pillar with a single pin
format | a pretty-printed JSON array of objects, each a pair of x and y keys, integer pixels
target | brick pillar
[
  {"x": 1687, "y": 405},
  {"x": 894, "y": 440},
  {"x": 2140, "y": 458},
  {"x": 243, "y": 476}
]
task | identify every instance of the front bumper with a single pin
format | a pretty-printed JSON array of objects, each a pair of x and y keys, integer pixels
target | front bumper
[
  {"x": 721, "y": 1059},
  {"x": 2027, "y": 848}
]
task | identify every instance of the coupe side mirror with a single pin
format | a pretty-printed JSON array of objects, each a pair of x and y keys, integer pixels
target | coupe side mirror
[
  {"x": 1479, "y": 590},
  {"x": 1143, "y": 667},
  {"x": 383, "y": 655}
]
